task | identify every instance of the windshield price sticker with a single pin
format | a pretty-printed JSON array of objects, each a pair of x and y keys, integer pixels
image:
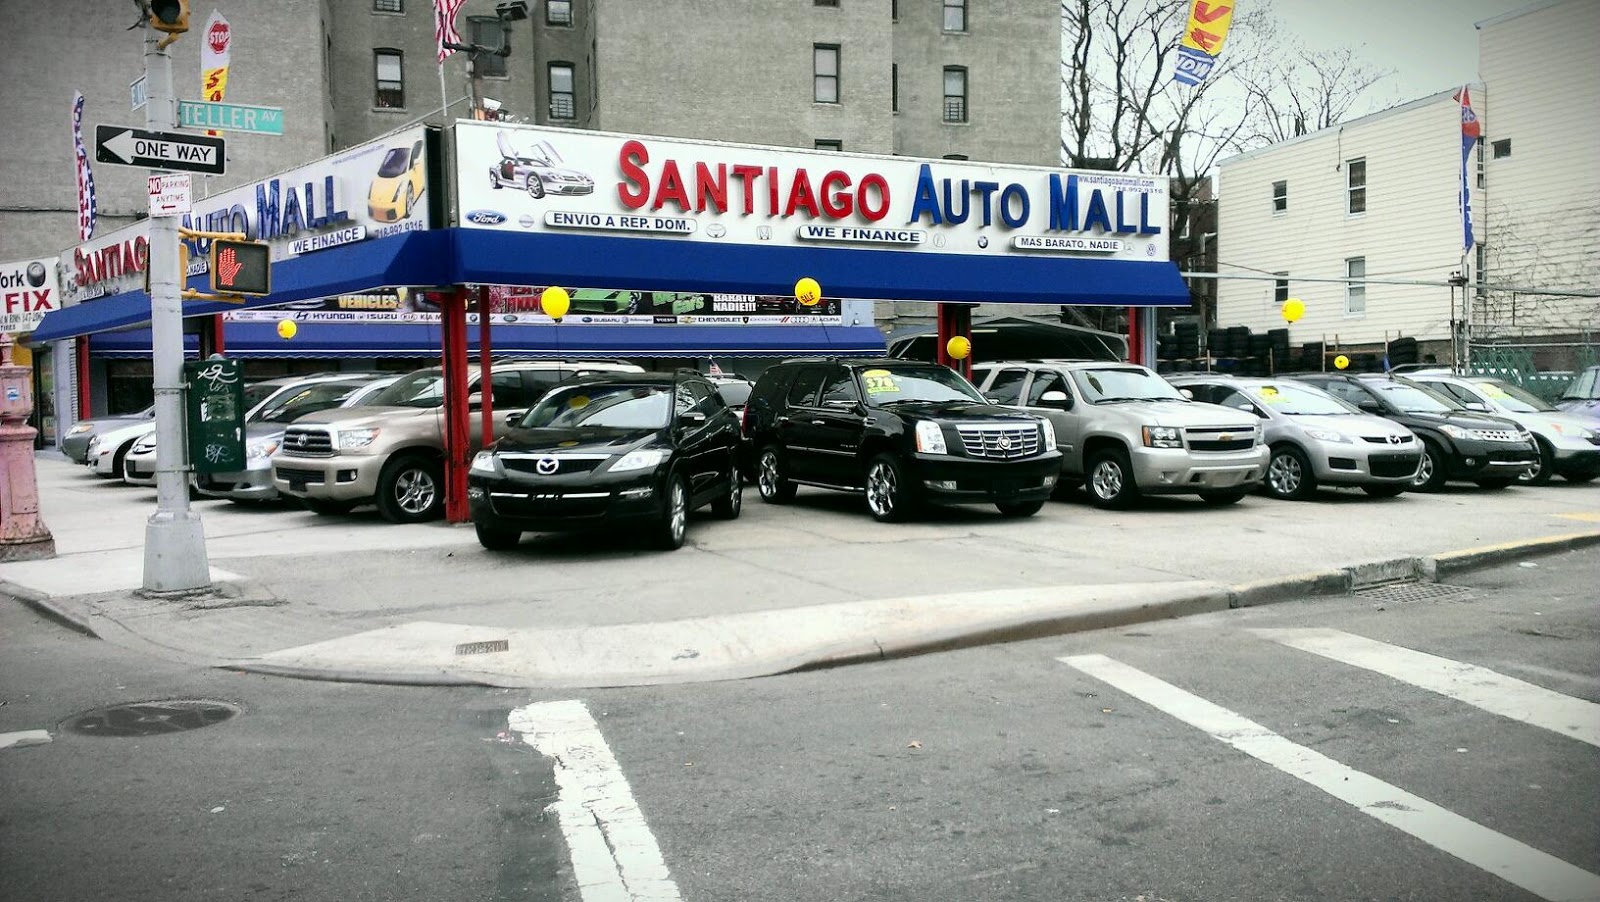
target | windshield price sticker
[
  {"x": 1270, "y": 395},
  {"x": 879, "y": 382}
]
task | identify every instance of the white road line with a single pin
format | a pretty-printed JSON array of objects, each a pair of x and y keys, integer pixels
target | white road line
[
  {"x": 23, "y": 738},
  {"x": 1477, "y": 686},
  {"x": 1537, "y": 872},
  {"x": 614, "y": 856}
]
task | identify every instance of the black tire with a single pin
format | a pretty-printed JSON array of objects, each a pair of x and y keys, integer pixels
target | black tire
[
  {"x": 668, "y": 532},
  {"x": 732, "y": 501},
  {"x": 1431, "y": 473},
  {"x": 1019, "y": 509},
  {"x": 1494, "y": 485},
  {"x": 770, "y": 482},
  {"x": 327, "y": 507},
  {"x": 1220, "y": 499},
  {"x": 495, "y": 537},
  {"x": 1109, "y": 480},
  {"x": 535, "y": 188},
  {"x": 411, "y": 490},
  {"x": 119, "y": 461},
  {"x": 411, "y": 198},
  {"x": 1580, "y": 477},
  {"x": 1289, "y": 475},
  {"x": 1383, "y": 491},
  {"x": 1542, "y": 469},
  {"x": 890, "y": 496}
]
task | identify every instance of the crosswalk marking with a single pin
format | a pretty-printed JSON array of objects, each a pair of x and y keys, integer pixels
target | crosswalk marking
[
  {"x": 1537, "y": 872},
  {"x": 1477, "y": 686},
  {"x": 614, "y": 855}
]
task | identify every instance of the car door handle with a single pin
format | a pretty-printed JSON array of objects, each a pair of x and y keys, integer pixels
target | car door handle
[
  {"x": 783, "y": 419},
  {"x": 819, "y": 422}
]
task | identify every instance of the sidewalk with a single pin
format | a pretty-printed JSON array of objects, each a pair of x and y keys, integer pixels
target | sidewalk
[{"x": 784, "y": 587}]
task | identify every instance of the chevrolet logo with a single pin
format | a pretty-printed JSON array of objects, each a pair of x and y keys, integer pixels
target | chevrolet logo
[{"x": 1225, "y": 437}]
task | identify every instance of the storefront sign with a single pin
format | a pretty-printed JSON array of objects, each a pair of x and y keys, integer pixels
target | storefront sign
[
  {"x": 544, "y": 179},
  {"x": 28, "y": 291}
]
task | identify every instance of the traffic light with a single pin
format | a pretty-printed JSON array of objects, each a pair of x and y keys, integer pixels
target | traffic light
[
  {"x": 170, "y": 16},
  {"x": 241, "y": 267}
]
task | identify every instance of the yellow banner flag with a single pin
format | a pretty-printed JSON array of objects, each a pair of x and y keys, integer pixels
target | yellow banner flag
[
  {"x": 215, "y": 52},
  {"x": 1208, "y": 26}
]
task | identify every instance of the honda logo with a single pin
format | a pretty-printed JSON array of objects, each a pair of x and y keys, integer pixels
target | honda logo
[{"x": 547, "y": 465}]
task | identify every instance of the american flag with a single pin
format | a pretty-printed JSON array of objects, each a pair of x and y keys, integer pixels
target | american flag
[
  {"x": 86, "y": 203},
  {"x": 1471, "y": 134},
  {"x": 444, "y": 25}
]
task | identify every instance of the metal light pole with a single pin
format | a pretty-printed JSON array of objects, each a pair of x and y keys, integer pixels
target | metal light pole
[{"x": 174, "y": 541}]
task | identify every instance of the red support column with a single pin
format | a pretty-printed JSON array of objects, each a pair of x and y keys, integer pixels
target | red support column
[
  {"x": 942, "y": 322},
  {"x": 953, "y": 320},
  {"x": 457, "y": 423},
  {"x": 81, "y": 350},
  {"x": 1135, "y": 338},
  {"x": 220, "y": 345},
  {"x": 485, "y": 372}
]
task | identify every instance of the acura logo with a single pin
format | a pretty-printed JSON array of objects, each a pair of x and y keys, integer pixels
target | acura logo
[{"x": 547, "y": 465}]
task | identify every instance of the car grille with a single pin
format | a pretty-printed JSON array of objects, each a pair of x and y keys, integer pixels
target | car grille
[
  {"x": 299, "y": 441},
  {"x": 1501, "y": 435},
  {"x": 561, "y": 465},
  {"x": 1238, "y": 439},
  {"x": 1390, "y": 466},
  {"x": 550, "y": 504},
  {"x": 1387, "y": 439},
  {"x": 1001, "y": 442},
  {"x": 297, "y": 476},
  {"x": 1520, "y": 456}
]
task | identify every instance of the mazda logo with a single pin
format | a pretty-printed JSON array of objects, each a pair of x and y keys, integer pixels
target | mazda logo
[
  {"x": 547, "y": 465},
  {"x": 1396, "y": 439}
]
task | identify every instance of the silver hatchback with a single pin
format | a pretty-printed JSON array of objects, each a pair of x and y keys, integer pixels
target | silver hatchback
[{"x": 1315, "y": 438}]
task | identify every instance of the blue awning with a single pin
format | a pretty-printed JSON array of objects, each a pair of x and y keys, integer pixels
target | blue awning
[{"x": 339, "y": 340}]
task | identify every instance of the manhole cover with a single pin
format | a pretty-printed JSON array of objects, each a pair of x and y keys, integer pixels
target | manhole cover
[
  {"x": 152, "y": 718},
  {"x": 1401, "y": 593}
]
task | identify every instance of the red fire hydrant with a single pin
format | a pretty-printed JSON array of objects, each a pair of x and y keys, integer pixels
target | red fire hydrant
[{"x": 23, "y": 536}]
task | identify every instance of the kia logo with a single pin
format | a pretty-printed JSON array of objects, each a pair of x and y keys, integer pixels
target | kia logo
[
  {"x": 486, "y": 217},
  {"x": 547, "y": 465}
]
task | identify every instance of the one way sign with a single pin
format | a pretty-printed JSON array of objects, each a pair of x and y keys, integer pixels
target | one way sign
[{"x": 158, "y": 150}]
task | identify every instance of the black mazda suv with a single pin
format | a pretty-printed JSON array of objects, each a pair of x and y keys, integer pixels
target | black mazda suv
[{"x": 597, "y": 451}]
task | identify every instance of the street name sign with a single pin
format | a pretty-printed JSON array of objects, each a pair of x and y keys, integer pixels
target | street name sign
[
  {"x": 232, "y": 117},
  {"x": 158, "y": 150},
  {"x": 137, "y": 94}
]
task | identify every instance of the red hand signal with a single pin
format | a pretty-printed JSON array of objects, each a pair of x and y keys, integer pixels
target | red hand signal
[{"x": 228, "y": 265}]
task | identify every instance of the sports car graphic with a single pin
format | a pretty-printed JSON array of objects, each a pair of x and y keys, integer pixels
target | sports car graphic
[
  {"x": 538, "y": 170},
  {"x": 398, "y": 184}
]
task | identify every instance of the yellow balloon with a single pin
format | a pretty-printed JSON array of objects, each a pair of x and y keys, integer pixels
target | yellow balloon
[
  {"x": 1341, "y": 362},
  {"x": 1293, "y": 309},
  {"x": 555, "y": 302},
  {"x": 958, "y": 347},
  {"x": 807, "y": 291},
  {"x": 287, "y": 329}
]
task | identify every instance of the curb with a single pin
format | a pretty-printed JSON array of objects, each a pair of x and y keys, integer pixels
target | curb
[
  {"x": 1453, "y": 562},
  {"x": 47, "y": 608}
]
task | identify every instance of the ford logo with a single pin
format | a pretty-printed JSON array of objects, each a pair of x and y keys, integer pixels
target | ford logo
[{"x": 486, "y": 217}]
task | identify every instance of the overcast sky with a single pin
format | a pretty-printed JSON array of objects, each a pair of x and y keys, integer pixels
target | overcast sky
[{"x": 1430, "y": 44}]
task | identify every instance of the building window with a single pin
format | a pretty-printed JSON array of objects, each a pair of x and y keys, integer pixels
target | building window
[
  {"x": 834, "y": 3},
  {"x": 825, "y": 73},
  {"x": 389, "y": 68},
  {"x": 955, "y": 156},
  {"x": 1355, "y": 292},
  {"x": 558, "y": 12},
  {"x": 1502, "y": 148},
  {"x": 1355, "y": 186},
  {"x": 955, "y": 94},
  {"x": 894, "y": 10},
  {"x": 486, "y": 32},
  {"x": 1480, "y": 269},
  {"x": 1280, "y": 196},
  {"x": 389, "y": 6},
  {"x": 563, "y": 100},
  {"x": 1280, "y": 287},
  {"x": 829, "y": 144},
  {"x": 955, "y": 15},
  {"x": 1482, "y": 180},
  {"x": 894, "y": 87}
]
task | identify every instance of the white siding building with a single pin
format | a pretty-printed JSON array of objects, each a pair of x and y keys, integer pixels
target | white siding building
[{"x": 1376, "y": 198}]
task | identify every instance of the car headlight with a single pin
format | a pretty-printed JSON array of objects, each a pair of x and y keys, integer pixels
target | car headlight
[
  {"x": 356, "y": 439},
  {"x": 484, "y": 463},
  {"x": 1049, "y": 430},
  {"x": 930, "y": 438},
  {"x": 1456, "y": 431},
  {"x": 1325, "y": 435},
  {"x": 1162, "y": 437},
  {"x": 259, "y": 450},
  {"x": 80, "y": 429},
  {"x": 643, "y": 459},
  {"x": 144, "y": 446}
]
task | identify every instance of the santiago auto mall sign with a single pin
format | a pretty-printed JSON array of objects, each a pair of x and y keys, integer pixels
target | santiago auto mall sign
[{"x": 526, "y": 178}]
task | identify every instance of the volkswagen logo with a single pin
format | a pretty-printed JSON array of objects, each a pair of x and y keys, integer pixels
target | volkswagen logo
[{"x": 547, "y": 465}]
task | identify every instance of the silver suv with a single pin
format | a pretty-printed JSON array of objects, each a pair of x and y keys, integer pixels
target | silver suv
[
  {"x": 391, "y": 451},
  {"x": 1124, "y": 431}
]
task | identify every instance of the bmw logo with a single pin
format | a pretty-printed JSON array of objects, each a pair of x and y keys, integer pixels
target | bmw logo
[
  {"x": 983, "y": 241},
  {"x": 486, "y": 217}
]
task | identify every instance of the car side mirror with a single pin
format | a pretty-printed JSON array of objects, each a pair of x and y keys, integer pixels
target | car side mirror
[
  {"x": 1056, "y": 399},
  {"x": 475, "y": 401},
  {"x": 1186, "y": 393},
  {"x": 691, "y": 419},
  {"x": 513, "y": 417},
  {"x": 1479, "y": 406},
  {"x": 1371, "y": 407}
]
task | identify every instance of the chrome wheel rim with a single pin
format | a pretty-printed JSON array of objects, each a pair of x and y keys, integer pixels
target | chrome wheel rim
[
  {"x": 768, "y": 480},
  {"x": 414, "y": 491},
  {"x": 1424, "y": 470},
  {"x": 735, "y": 492},
  {"x": 882, "y": 488},
  {"x": 679, "y": 513},
  {"x": 1284, "y": 475},
  {"x": 535, "y": 187},
  {"x": 1534, "y": 469},
  {"x": 1107, "y": 480}
]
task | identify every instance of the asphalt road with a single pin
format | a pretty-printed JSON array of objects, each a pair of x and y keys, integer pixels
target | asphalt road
[{"x": 993, "y": 773}]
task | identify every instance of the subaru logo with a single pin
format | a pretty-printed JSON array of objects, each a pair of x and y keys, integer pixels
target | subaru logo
[
  {"x": 547, "y": 465},
  {"x": 486, "y": 217}
]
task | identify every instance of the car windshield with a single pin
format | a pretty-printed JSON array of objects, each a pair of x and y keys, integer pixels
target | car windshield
[
  {"x": 310, "y": 399},
  {"x": 424, "y": 389},
  {"x": 1513, "y": 397},
  {"x": 254, "y": 394},
  {"x": 1123, "y": 383},
  {"x": 604, "y": 406},
  {"x": 394, "y": 163},
  {"x": 1300, "y": 400},
  {"x": 895, "y": 385},
  {"x": 734, "y": 394},
  {"x": 1412, "y": 398}
]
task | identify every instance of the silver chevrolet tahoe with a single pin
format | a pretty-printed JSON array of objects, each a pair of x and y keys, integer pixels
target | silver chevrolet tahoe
[
  {"x": 391, "y": 451},
  {"x": 1124, "y": 431}
]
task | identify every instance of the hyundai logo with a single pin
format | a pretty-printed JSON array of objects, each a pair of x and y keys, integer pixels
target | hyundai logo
[
  {"x": 547, "y": 465},
  {"x": 486, "y": 217}
]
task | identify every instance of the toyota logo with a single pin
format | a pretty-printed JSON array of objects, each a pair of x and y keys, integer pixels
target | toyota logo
[{"x": 547, "y": 465}]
